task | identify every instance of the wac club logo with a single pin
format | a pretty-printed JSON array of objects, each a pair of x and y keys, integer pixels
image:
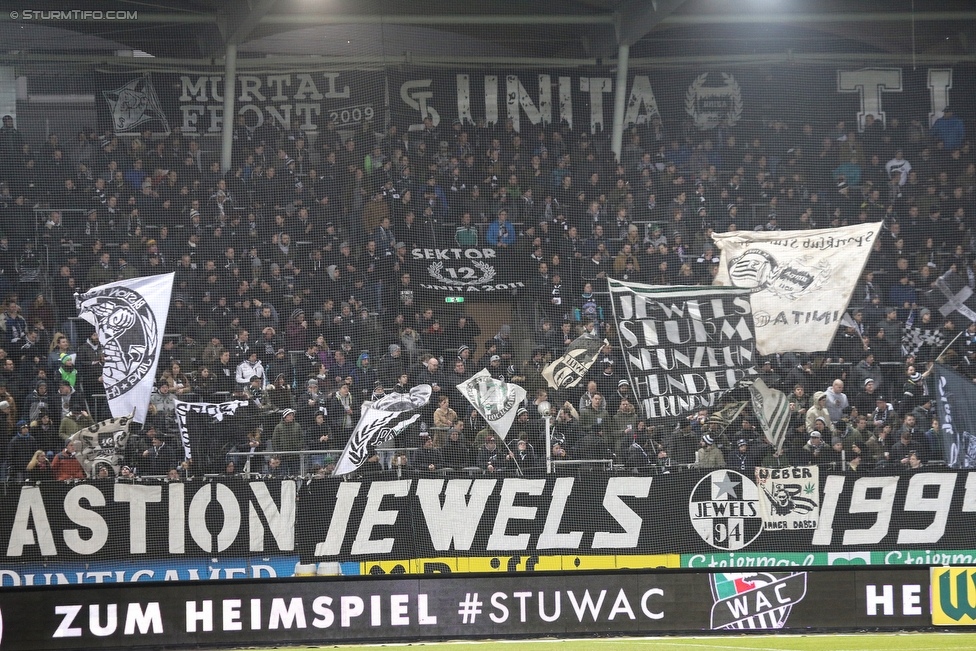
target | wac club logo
[
  {"x": 953, "y": 596},
  {"x": 755, "y": 599}
]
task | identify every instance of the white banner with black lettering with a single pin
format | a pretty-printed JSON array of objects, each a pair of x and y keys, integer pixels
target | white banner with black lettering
[
  {"x": 789, "y": 498},
  {"x": 130, "y": 318},
  {"x": 684, "y": 347},
  {"x": 801, "y": 281}
]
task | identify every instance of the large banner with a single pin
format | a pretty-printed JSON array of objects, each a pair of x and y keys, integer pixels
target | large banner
[
  {"x": 801, "y": 281},
  {"x": 335, "y": 610},
  {"x": 684, "y": 347},
  {"x": 582, "y": 98},
  {"x": 955, "y": 404},
  {"x": 129, "y": 102},
  {"x": 472, "y": 272},
  {"x": 130, "y": 319},
  {"x": 509, "y": 522},
  {"x": 706, "y": 97}
]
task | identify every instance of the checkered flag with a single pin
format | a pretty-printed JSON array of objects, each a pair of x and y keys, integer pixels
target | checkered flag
[{"x": 952, "y": 298}]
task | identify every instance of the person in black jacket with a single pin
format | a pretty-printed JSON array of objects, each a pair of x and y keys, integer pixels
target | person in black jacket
[
  {"x": 456, "y": 453},
  {"x": 427, "y": 457},
  {"x": 741, "y": 459},
  {"x": 318, "y": 437},
  {"x": 521, "y": 458},
  {"x": 490, "y": 457}
]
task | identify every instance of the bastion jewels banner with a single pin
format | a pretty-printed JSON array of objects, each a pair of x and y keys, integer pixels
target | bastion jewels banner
[
  {"x": 542, "y": 523},
  {"x": 365, "y": 609}
]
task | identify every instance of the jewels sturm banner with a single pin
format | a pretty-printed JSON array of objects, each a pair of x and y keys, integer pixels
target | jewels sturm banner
[{"x": 684, "y": 347}]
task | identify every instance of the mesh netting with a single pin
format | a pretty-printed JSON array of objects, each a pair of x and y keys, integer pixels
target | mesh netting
[{"x": 401, "y": 203}]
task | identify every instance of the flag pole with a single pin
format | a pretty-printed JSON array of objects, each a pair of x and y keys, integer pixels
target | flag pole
[
  {"x": 949, "y": 345},
  {"x": 521, "y": 474}
]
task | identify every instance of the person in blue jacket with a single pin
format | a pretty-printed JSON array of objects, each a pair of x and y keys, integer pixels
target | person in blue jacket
[
  {"x": 949, "y": 129},
  {"x": 501, "y": 232}
]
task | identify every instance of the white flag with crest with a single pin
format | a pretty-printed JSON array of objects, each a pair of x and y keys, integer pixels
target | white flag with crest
[
  {"x": 130, "y": 318},
  {"x": 496, "y": 401}
]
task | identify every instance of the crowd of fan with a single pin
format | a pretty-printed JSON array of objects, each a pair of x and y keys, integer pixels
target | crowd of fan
[{"x": 296, "y": 291}]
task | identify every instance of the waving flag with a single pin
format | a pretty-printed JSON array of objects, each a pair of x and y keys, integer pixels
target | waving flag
[
  {"x": 955, "y": 404},
  {"x": 380, "y": 422},
  {"x": 129, "y": 317},
  {"x": 772, "y": 409},
  {"x": 496, "y": 401},
  {"x": 208, "y": 430},
  {"x": 801, "y": 281},
  {"x": 102, "y": 443},
  {"x": 566, "y": 371}
]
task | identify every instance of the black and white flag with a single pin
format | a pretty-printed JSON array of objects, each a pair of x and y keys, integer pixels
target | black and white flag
[
  {"x": 725, "y": 416},
  {"x": 922, "y": 339},
  {"x": 801, "y": 281},
  {"x": 380, "y": 422},
  {"x": 951, "y": 298},
  {"x": 955, "y": 404},
  {"x": 103, "y": 443},
  {"x": 684, "y": 347},
  {"x": 130, "y": 318},
  {"x": 772, "y": 409},
  {"x": 566, "y": 371},
  {"x": 208, "y": 431}
]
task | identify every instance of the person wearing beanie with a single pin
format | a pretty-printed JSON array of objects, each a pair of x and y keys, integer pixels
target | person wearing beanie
[
  {"x": 708, "y": 456},
  {"x": 835, "y": 456},
  {"x": 288, "y": 437},
  {"x": 490, "y": 458},
  {"x": 391, "y": 366},
  {"x": 364, "y": 377},
  {"x": 20, "y": 451}
]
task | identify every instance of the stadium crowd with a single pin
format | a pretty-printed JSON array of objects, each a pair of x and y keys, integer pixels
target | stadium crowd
[{"x": 295, "y": 290}]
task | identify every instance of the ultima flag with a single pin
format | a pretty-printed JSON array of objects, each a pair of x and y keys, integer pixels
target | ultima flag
[
  {"x": 130, "y": 318},
  {"x": 801, "y": 281},
  {"x": 684, "y": 347},
  {"x": 568, "y": 370}
]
